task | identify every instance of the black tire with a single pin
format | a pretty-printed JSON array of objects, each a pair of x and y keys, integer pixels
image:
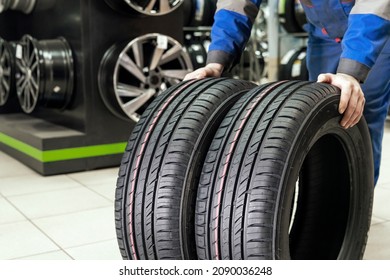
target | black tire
[
  {"x": 159, "y": 173},
  {"x": 287, "y": 16},
  {"x": 202, "y": 12},
  {"x": 197, "y": 53},
  {"x": 273, "y": 136},
  {"x": 293, "y": 66},
  {"x": 188, "y": 12},
  {"x": 300, "y": 14}
]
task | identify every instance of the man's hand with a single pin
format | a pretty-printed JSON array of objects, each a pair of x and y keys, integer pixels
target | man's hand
[
  {"x": 352, "y": 98},
  {"x": 210, "y": 70}
]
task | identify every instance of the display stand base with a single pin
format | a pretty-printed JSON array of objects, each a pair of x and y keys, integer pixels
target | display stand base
[{"x": 51, "y": 149}]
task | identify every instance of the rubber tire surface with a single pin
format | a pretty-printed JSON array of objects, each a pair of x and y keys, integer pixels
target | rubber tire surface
[
  {"x": 249, "y": 204},
  {"x": 159, "y": 173},
  {"x": 288, "y": 19},
  {"x": 288, "y": 72}
]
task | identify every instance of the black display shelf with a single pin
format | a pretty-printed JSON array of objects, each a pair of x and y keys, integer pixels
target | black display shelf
[{"x": 85, "y": 135}]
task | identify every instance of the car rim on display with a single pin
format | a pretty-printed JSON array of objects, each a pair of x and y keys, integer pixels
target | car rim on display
[
  {"x": 7, "y": 68},
  {"x": 131, "y": 76},
  {"x": 24, "y": 6},
  {"x": 147, "y": 7},
  {"x": 45, "y": 73}
]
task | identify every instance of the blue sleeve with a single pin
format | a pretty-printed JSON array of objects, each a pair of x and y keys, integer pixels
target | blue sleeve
[
  {"x": 367, "y": 33},
  {"x": 231, "y": 30}
]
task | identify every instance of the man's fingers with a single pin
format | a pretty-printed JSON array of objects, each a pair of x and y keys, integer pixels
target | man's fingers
[
  {"x": 351, "y": 100},
  {"x": 211, "y": 70},
  {"x": 355, "y": 108},
  {"x": 323, "y": 78},
  {"x": 197, "y": 74},
  {"x": 345, "y": 97},
  {"x": 355, "y": 115}
]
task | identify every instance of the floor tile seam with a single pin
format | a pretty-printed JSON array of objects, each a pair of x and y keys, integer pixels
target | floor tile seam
[
  {"x": 45, "y": 191},
  {"x": 72, "y": 212},
  {"x": 70, "y": 176},
  {"x": 50, "y": 238},
  {"x": 93, "y": 190},
  {"x": 89, "y": 243},
  {"x": 36, "y": 226},
  {"x": 48, "y": 252}
]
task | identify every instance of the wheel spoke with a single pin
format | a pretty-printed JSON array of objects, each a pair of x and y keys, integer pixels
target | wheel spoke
[
  {"x": 150, "y": 6},
  {"x": 138, "y": 54},
  {"x": 5, "y": 85},
  {"x": 157, "y": 55},
  {"x": 126, "y": 62},
  {"x": 20, "y": 65},
  {"x": 171, "y": 54},
  {"x": 34, "y": 94},
  {"x": 34, "y": 83},
  {"x": 164, "y": 6},
  {"x": 26, "y": 98},
  {"x": 124, "y": 90},
  {"x": 33, "y": 97},
  {"x": 23, "y": 83},
  {"x": 132, "y": 106},
  {"x": 34, "y": 65},
  {"x": 32, "y": 59},
  {"x": 2, "y": 55},
  {"x": 20, "y": 81},
  {"x": 7, "y": 72},
  {"x": 30, "y": 56}
]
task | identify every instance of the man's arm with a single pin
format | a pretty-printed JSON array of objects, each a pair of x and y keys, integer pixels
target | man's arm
[
  {"x": 367, "y": 33},
  {"x": 231, "y": 30}
]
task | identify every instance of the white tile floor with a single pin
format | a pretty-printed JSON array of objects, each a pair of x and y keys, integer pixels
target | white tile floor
[{"x": 72, "y": 217}]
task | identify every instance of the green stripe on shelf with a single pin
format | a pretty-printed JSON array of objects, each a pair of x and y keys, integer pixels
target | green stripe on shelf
[{"x": 63, "y": 154}]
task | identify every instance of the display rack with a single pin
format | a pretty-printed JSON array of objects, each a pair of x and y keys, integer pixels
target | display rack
[{"x": 84, "y": 135}]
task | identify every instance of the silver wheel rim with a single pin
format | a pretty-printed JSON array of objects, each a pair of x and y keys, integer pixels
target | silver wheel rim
[
  {"x": 147, "y": 66},
  {"x": 44, "y": 73},
  {"x": 24, "y": 6},
  {"x": 154, "y": 7},
  {"x": 6, "y": 72},
  {"x": 28, "y": 77}
]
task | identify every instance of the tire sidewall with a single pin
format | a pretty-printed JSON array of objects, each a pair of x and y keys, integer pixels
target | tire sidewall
[{"x": 356, "y": 143}]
